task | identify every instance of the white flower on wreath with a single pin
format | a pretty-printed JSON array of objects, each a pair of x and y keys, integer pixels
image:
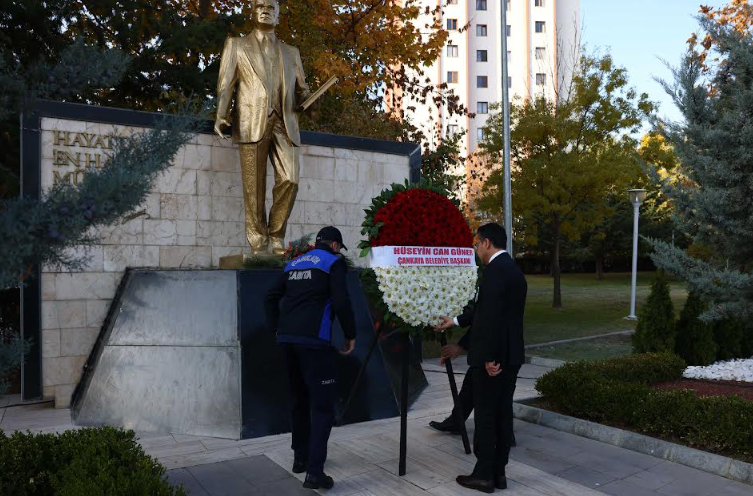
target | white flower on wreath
[{"x": 420, "y": 295}]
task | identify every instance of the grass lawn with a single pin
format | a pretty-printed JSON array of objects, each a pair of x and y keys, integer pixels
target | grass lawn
[
  {"x": 593, "y": 349},
  {"x": 589, "y": 306}
]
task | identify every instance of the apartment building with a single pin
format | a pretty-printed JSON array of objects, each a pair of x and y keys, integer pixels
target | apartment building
[{"x": 542, "y": 48}]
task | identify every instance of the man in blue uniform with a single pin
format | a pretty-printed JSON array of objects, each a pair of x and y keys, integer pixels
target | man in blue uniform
[{"x": 301, "y": 307}]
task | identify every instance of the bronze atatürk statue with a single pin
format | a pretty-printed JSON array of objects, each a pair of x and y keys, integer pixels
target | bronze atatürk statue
[{"x": 268, "y": 75}]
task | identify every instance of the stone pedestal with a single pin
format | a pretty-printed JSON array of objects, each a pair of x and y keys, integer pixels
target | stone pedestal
[{"x": 192, "y": 218}]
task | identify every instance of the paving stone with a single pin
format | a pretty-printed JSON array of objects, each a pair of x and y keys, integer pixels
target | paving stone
[
  {"x": 542, "y": 461},
  {"x": 284, "y": 487},
  {"x": 586, "y": 477},
  {"x": 181, "y": 476},
  {"x": 220, "y": 480},
  {"x": 622, "y": 488},
  {"x": 257, "y": 470},
  {"x": 649, "y": 480},
  {"x": 699, "y": 485},
  {"x": 614, "y": 461},
  {"x": 546, "y": 445},
  {"x": 683, "y": 473}
]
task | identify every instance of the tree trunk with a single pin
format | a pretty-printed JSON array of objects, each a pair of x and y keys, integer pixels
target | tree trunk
[
  {"x": 556, "y": 273},
  {"x": 204, "y": 8},
  {"x": 599, "y": 267}
]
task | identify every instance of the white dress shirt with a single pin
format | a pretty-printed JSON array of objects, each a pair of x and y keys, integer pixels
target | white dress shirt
[{"x": 500, "y": 252}]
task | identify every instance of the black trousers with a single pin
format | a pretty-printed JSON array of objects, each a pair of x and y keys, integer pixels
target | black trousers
[
  {"x": 492, "y": 400},
  {"x": 465, "y": 399},
  {"x": 312, "y": 375}
]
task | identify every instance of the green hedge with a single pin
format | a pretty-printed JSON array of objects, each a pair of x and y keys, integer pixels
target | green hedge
[
  {"x": 86, "y": 462},
  {"x": 619, "y": 392}
]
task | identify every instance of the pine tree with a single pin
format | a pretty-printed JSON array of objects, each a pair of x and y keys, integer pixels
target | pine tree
[
  {"x": 714, "y": 201},
  {"x": 695, "y": 338},
  {"x": 656, "y": 329}
]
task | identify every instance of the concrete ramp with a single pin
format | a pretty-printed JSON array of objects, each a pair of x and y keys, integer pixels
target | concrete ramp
[{"x": 169, "y": 357}]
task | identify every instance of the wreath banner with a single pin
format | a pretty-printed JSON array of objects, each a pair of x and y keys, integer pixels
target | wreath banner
[{"x": 421, "y": 256}]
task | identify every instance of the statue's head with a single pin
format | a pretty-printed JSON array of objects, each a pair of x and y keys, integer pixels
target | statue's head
[{"x": 266, "y": 13}]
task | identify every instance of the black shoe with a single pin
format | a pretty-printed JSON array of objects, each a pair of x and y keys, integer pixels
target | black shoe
[
  {"x": 500, "y": 482},
  {"x": 322, "y": 481},
  {"x": 299, "y": 465},
  {"x": 447, "y": 425},
  {"x": 473, "y": 482}
]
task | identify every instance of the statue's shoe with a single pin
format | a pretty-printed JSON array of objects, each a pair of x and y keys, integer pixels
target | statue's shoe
[{"x": 276, "y": 246}]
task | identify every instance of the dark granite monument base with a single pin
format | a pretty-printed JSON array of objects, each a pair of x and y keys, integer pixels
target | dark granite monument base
[{"x": 189, "y": 352}]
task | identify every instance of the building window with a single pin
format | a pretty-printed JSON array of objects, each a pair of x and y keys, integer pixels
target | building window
[
  {"x": 482, "y": 81},
  {"x": 482, "y": 107},
  {"x": 509, "y": 57},
  {"x": 481, "y": 30},
  {"x": 540, "y": 79},
  {"x": 538, "y": 3},
  {"x": 509, "y": 81},
  {"x": 452, "y": 50},
  {"x": 452, "y": 24},
  {"x": 481, "y": 56},
  {"x": 480, "y": 133},
  {"x": 540, "y": 53},
  {"x": 508, "y": 4},
  {"x": 452, "y": 129},
  {"x": 508, "y": 30},
  {"x": 540, "y": 27},
  {"x": 480, "y": 4},
  {"x": 452, "y": 2},
  {"x": 452, "y": 77}
]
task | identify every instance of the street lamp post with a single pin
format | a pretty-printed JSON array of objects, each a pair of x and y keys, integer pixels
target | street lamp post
[
  {"x": 637, "y": 196},
  {"x": 506, "y": 116}
]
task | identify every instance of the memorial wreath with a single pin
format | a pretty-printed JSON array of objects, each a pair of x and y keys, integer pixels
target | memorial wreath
[{"x": 422, "y": 264}]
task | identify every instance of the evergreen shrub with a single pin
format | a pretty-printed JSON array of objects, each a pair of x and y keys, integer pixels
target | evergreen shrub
[
  {"x": 728, "y": 334},
  {"x": 695, "y": 338},
  {"x": 656, "y": 329},
  {"x": 87, "y": 462},
  {"x": 619, "y": 392}
]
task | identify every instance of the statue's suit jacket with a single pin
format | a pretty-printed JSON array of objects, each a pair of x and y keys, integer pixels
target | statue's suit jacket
[{"x": 243, "y": 66}]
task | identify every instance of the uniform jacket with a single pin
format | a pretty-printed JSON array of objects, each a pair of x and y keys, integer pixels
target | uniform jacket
[
  {"x": 307, "y": 296},
  {"x": 243, "y": 67},
  {"x": 496, "y": 319}
]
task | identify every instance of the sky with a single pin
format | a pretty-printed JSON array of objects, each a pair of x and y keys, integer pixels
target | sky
[{"x": 638, "y": 34}]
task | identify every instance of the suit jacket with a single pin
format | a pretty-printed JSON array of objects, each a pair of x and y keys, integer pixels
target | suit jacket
[
  {"x": 496, "y": 319},
  {"x": 243, "y": 67}
]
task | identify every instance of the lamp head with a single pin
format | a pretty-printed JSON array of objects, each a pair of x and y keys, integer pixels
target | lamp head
[{"x": 637, "y": 196}]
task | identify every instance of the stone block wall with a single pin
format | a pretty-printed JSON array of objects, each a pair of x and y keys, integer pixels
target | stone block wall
[{"x": 193, "y": 216}]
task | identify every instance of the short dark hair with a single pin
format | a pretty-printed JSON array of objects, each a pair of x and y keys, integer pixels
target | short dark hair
[{"x": 494, "y": 233}]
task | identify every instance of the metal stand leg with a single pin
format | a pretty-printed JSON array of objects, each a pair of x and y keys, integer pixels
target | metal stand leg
[
  {"x": 352, "y": 393},
  {"x": 404, "y": 404},
  {"x": 459, "y": 420}
]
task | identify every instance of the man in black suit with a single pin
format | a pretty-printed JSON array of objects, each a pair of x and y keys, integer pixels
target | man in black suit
[
  {"x": 495, "y": 356},
  {"x": 464, "y": 406}
]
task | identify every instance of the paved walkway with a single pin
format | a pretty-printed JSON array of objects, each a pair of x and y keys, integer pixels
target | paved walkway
[{"x": 363, "y": 458}]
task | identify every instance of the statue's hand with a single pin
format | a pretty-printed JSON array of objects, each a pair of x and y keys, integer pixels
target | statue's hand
[{"x": 218, "y": 124}]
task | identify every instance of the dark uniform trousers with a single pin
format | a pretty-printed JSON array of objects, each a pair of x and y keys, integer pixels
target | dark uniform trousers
[
  {"x": 312, "y": 373},
  {"x": 492, "y": 402}
]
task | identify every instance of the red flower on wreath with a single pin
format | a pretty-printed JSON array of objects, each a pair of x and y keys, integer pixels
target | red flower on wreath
[{"x": 421, "y": 217}]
